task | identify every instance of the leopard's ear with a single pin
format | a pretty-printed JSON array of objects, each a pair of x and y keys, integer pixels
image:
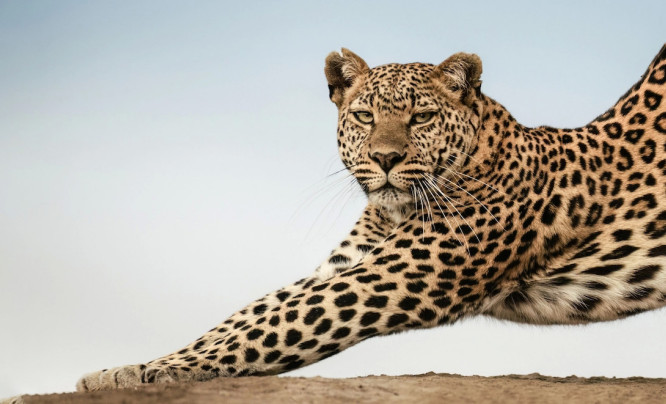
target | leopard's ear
[
  {"x": 460, "y": 75},
  {"x": 341, "y": 70}
]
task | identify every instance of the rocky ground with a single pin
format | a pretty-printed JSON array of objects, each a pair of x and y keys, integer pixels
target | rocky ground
[{"x": 425, "y": 388}]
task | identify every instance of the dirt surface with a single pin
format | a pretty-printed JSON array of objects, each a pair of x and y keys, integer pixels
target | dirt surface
[{"x": 427, "y": 388}]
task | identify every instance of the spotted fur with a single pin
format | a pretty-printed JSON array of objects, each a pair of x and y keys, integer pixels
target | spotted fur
[{"x": 469, "y": 213}]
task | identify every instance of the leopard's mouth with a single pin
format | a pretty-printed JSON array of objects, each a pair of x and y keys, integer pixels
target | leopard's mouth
[
  {"x": 387, "y": 187},
  {"x": 390, "y": 197}
]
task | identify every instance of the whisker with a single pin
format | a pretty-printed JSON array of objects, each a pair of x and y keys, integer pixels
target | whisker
[
  {"x": 448, "y": 187},
  {"x": 422, "y": 210},
  {"x": 474, "y": 179},
  {"x": 324, "y": 187},
  {"x": 416, "y": 205},
  {"x": 459, "y": 214},
  {"x": 350, "y": 191},
  {"x": 475, "y": 198},
  {"x": 445, "y": 199},
  {"x": 341, "y": 170},
  {"x": 470, "y": 156},
  {"x": 347, "y": 189},
  {"x": 429, "y": 208},
  {"x": 436, "y": 201},
  {"x": 419, "y": 190},
  {"x": 449, "y": 223}
]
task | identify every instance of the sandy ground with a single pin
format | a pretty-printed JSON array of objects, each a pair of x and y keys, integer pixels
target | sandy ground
[{"x": 427, "y": 388}]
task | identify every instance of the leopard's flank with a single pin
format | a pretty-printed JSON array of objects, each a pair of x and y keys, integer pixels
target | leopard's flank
[{"x": 469, "y": 212}]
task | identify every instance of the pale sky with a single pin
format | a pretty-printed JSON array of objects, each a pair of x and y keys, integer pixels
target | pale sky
[{"x": 164, "y": 163}]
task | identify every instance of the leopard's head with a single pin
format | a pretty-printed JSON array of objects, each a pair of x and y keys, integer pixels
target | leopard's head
[{"x": 404, "y": 129}]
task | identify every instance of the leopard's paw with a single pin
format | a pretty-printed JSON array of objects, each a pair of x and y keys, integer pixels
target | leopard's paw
[
  {"x": 109, "y": 379},
  {"x": 13, "y": 400}
]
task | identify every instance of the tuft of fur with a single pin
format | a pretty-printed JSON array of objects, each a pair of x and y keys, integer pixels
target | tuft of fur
[
  {"x": 460, "y": 74},
  {"x": 341, "y": 70}
]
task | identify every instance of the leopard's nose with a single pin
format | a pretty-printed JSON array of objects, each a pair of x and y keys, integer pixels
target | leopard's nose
[{"x": 387, "y": 160}]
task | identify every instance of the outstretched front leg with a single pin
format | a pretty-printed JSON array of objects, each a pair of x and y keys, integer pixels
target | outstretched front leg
[
  {"x": 372, "y": 228},
  {"x": 405, "y": 282}
]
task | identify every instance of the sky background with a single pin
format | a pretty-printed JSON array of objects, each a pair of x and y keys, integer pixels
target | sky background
[{"x": 164, "y": 163}]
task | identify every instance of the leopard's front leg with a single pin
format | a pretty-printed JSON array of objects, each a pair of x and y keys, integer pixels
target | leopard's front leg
[
  {"x": 406, "y": 282},
  {"x": 372, "y": 228}
]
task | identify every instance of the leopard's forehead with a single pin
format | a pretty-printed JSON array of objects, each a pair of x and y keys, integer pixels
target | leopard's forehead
[
  {"x": 419, "y": 70},
  {"x": 396, "y": 83},
  {"x": 402, "y": 75}
]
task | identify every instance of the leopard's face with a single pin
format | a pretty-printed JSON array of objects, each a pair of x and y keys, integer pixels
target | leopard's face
[{"x": 404, "y": 135}]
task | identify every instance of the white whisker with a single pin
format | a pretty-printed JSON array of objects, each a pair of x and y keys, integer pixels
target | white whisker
[
  {"x": 439, "y": 179},
  {"x": 445, "y": 218},
  {"x": 423, "y": 203},
  {"x": 470, "y": 156},
  {"x": 346, "y": 190},
  {"x": 474, "y": 179},
  {"x": 444, "y": 199},
  {"x": 457, "y": 211}
]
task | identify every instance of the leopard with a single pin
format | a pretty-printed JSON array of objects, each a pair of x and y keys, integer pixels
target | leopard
[{"x": 469, "y": 213}]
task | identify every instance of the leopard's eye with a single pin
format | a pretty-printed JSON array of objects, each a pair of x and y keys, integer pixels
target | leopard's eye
[
  {"x": 363, "y": 117},
  {"x": 422, "y": 117}
]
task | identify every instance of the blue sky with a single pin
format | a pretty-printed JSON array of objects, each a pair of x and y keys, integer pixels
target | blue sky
[{"x": 164, "y": 163}]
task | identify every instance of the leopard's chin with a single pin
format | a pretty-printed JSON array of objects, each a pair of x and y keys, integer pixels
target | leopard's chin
[{"x": 395, "y": 203}]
